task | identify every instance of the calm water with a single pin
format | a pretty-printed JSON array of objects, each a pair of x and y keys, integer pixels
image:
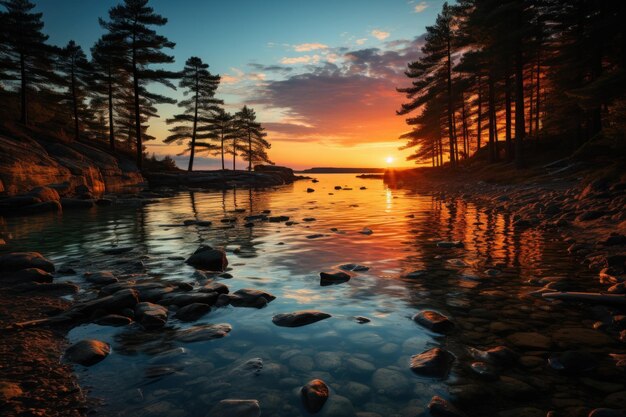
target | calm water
[{"x": 138, "y": 380}]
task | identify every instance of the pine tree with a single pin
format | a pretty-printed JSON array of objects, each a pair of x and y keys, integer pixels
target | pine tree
[
  {"x": 133, "y": 21},
  {"x": 76, "y": 73},
  {"x": 199, "y": 108},
  {"x": 24, "y": 55},
  {"x": 222, "y": 131},
  {"x": 254, "y": 146}
]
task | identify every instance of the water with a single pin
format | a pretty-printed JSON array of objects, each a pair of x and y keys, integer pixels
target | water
[{"x": 137, "y": 379}]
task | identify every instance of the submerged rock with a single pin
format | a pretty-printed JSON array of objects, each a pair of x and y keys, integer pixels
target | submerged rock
[
  {"x": 484, "y": 370},
  {"x": 115, "y": 320},
  {"x": 354, "y": 268},
  {"x": 101, "y": 278},
  {"x": 439, "y": 407},
  {"x": 450, "y": 244},
  {"x": 151, "y": 316},
  {"x": 390, "y": 383},
  {"x": 314, "y": 395},
  {"x": 236, "y": 408},
  {"x": 28, "y": 275},
  {"x": 208, "y": 258},
  {"x": 22, "y": 260},
  {"x": 435, "y": 362},
  {"x": 192, "y": 311},
  {"x": 530, "y": 340},
  {"x": 434, "y": 321},
  {"x": 333, "y": 278},
  {"x": 299, "y": 318},
  {"x": 87, "y": 352},
  {"x": 573, "y": 362},
  {"x": 247, "y": 297},
  {"x": 118, "y": 301},
  {"x": 278, "y": 219},
  {"x": 204, "y": 332},
  {"x": 366, "y": 231}
]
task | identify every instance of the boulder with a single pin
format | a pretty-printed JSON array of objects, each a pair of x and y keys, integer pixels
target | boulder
[
  {"x": 434, "y": 321},
  {"x": 192, "y": 311},
  {"x": 333, "y": 278},
  {"x": 236, "y": 408},
  {"x": 530, "y": 341},
  {"x": 115, "y": 320},
  {"x": 87, "y": 352},
  {"x": 435, "y": 362},
  {"x": 214, "y": 286},
  {"x": 21, "y": 260},
  {"x": 439, "y": 407},
  {"x": 113, "y": 303},
  {"x": 390, "y": 383},
  {"x": 183, "y": 299},
  {"x": 354, "y": 268},
  {"x": 247, "y": 297},
  {"x": 101, "y": 278},
  {"x": 29, "y": 275},
  {"x": 299, "y": 318},
  {"x": 450, "y": 244},
  {"x": 204, "y": 332},
  {"x": 209, "y": 259},
  {"x": 314, "y": 395},
  {"x": 151, "y": 316}
]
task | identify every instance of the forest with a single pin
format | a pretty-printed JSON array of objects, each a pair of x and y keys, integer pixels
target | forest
[
  {"x": 508, "y": 80},
  {"x": 110, "y": 98}
]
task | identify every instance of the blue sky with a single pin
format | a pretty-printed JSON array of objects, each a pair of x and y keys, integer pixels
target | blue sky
[{"x": 263, "y": 47}]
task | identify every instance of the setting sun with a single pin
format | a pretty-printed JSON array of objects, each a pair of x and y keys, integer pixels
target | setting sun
[{"x": 389, "y": 160}]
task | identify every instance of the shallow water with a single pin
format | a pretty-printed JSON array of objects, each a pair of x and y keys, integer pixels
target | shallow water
[{"x": 138, "y": 380}]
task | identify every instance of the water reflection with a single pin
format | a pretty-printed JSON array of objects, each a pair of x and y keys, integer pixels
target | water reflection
[{"x": 478, "y": 285}]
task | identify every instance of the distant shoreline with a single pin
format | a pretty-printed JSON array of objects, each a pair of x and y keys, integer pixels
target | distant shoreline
[{"x": 334, "y": 170}]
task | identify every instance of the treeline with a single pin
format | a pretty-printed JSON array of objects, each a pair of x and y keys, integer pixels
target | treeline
[
  {"x": 108, "y": 97},
  {"x": 503, "y": 74}
]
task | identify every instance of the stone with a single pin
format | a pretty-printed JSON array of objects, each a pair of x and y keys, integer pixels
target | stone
[
  {"x": 327, "y": 361},
  {"x": 514, "y": 388},
  {"x": 192, "y": 311},
  {"x": 530, "y": 340},
  {"x": 151, "y": 316},
  {"x": 333, "y": 278},
  {"x": 573, "y": 362},
  {"x": 115, "y": 320},
  {"x": 434, "y": 362},
  {"x": 616, "y": 400},
  {"x": 314, "y": 395},
  {"x": 354, "y": 268},
  {"x": 575, "y": 337},
  {"x": 366, "y": 231},
  {"x": 434, "y": 321},
  {"x": 522, "y": 412},
  {"x": 439, "y": 407},
  {"x": 208, "y": 258},
  {"x": 184, "y": 299},
  {"x": 101, "y": 278},
  {"x": 484, "y": 370},
  {"x": 204, "y": 332},
  {"x": 390, "y": 383},
  {"x": 278, "y": 219},
  {"x": 299, "y": 318},
  {"x": 338, "y": 406},
  {"x": 28, "y": 275},
  {"x": 116, "y": 302},
  {"x": 361, "y": 319},
  {"x": 247, "y": 297},
  {"x": 450, "y": 244},
  {"x": 22, "y": 260},
  {"x": 310, "y": 190},
  {"x": 359, "y": 366},
  {"x": 236, "y": 408},
  {"x": 87, "y": 352},
  {"x": 607, "y": 412},
  {"x": 9, "y": 390}
]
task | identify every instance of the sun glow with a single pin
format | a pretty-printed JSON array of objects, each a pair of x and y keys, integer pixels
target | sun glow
[{"x": 389, "y": 160}]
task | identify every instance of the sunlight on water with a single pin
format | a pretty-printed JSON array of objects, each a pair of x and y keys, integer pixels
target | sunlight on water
[{"x": 138, "y": 380}]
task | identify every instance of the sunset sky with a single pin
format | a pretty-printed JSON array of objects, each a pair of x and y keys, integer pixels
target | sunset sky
[{"x": 321, "y": 75}]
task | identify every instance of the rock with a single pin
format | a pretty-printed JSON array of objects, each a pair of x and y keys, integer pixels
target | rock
[
  {"x": 338, "y": 406},
  {"x": 359, "y": 366},
  {"x": 327, "y": 361},
  {"x": 315, "y": 236},
  {"x": 439, "y": 407},
  {"x": 309, "y": 219},
  {"x": 607, "y": 412},
  {"x": 530, "y": 340},
  {"x": 616, "y": 400},
  {"x": 337, "y": 187},
  {"x": 9, "y": 390},
  {"x": 192, "y": 311},
  {"x": 114, "y": 320},
  {"x": 278, "y": 219},
  {"x": 416, "y": 274},
  {"x": 236, "y": 408},
  {"x": 214, "y": 286},
  {"x": 390, "y": 383},
  {"x": 434, "y": 321},
  {"x": 484, "y": 370},
  {"x": 361, "y": 319},
  {"x": 450, "y": 244},
  {"x": 204, "y": 332},
  {"x": 100, "y": 278},
  {"x": 501, "y": 355},
  {"x": 299, "y": 318},
  {"x": 77, "y": 203},
  {"x": 209, "y": 259},
  {"x": 247, "y": 297},
  {"x": 28, "y": 275},
  {"x": 126, "y": 298},
  {"x": 573, "y": 362},
  {"x": 184, "y": 299},
  {"x": 354, "y": 268},
  {"x": 435, "y": 362},
  {"x": 87, "y": 352},
  {"x": 150, "y": 316},
  {"x": 357, "y": 391},
  {"x": 314, "y": 395},
  {"x": 619, "y": 288},
  {"x": 333, "y": 278},
  {"x": 310, "y": 190},
  {"x": 575, "y": 337},
  {"x": 522, "y": 412},
  {"x": 366, "y": 231},
  {"x": 514, "y": 388},
  {"x": 117, "y": 250},
  {"x": 22, "y": 260}
]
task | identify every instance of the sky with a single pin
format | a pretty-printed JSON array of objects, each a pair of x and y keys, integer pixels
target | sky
[{"x": 321, "y": 75}]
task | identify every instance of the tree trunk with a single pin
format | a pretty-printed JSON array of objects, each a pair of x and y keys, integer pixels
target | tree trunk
[
  {"x": 450, "y": 108},
  {"x": 75, "y": 105},
  {"x": 195, "y": 125},
  {"x": 137, "y": 109},
  {"x": 111, "y": 130},
  {"x": 520, "y": 124},
  {"x": 222, "y": 133},
  {"x": 538, "y": 95},
  {"x": 24, "y": 86},
  {"x": 234, "y": 152},
  {"x": 249, "y": 152},
  {"x": 508, "y": 127},
  {"x": 492, "y": 121},
  {"x": 479, "y": 128}
]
